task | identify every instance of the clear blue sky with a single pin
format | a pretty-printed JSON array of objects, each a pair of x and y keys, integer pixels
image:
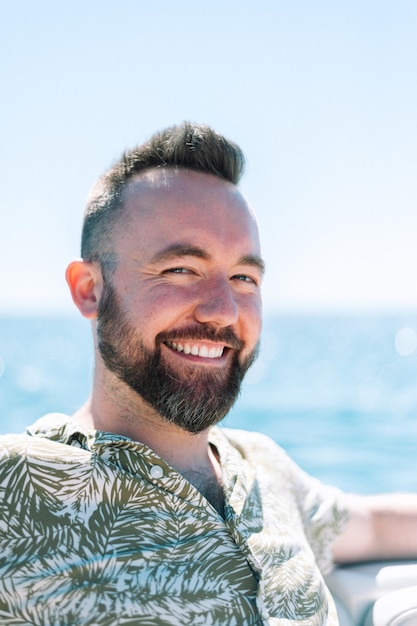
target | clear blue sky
[{"x": 322, "y": 96}]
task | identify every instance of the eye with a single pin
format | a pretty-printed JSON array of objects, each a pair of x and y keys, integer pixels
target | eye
[
  {"x": 177, "y": 270},
  {"x": 244, "y": 278}
]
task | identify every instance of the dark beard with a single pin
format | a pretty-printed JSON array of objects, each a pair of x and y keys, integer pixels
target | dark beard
[{"x": 194, "y": 400}]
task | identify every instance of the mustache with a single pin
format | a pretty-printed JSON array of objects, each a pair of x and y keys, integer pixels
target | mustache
[{"x": 203, "y": 332}]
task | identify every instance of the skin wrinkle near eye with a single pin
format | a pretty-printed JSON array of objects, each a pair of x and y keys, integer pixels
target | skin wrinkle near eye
[
  {"x": 181, "y": 250},
  {"x": 176, "y": 251}
]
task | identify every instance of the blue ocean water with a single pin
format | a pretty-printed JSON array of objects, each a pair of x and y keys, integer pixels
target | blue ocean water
[{"x": 339, "y": 393}]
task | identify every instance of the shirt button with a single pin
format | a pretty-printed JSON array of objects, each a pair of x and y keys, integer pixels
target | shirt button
[{"x": 156, "y": 471}]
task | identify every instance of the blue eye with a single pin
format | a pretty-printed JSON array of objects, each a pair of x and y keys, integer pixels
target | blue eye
[{"x": 244, "y": 278}]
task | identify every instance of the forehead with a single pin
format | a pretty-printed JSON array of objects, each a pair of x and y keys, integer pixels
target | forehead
[{"x": 168, "y": 206}]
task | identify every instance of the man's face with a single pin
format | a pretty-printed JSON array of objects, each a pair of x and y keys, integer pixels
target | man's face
[{"x": 180, "y": 322}]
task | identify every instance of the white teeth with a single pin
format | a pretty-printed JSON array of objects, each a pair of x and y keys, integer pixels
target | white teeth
[{"x": 196, "y": 350}]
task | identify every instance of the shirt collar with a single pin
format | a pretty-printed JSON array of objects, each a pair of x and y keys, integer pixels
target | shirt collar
[
  {"x": 135, "y": 457},
  {"x": 132, "y": 457}
]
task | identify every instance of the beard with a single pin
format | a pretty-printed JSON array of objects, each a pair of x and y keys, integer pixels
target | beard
[{"x": 193, "y": 399}]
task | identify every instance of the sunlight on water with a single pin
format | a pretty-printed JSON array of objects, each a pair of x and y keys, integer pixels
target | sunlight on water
[
  {"x": 406, "y": 341},
  {"x": 338, "y": 393}
]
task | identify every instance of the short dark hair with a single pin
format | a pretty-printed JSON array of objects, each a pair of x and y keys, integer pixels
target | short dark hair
[{"x": 187, "y": 145}]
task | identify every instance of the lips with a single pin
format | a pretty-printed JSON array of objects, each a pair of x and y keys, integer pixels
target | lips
[{"x": 197, "y": 349}]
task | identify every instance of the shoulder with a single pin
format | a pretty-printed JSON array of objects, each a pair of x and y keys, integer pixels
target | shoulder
[
  {"x": 249, "y": 438},
  {"x": 256, "y": 446},
  {"x": 47, "y": 440},
  {"x": 33, "y": 467},
  {"x": 264, "y": 454}
]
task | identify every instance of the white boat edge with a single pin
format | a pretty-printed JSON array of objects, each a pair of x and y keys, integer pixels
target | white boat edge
[{"x": 375, "y": 594}]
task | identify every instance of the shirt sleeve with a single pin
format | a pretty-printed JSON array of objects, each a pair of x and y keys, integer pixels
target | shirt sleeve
[
  {"x": 322, "y": 508},
  {"x": 324, "y": 513}
]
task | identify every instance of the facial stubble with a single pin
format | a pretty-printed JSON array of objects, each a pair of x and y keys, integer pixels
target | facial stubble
[{"x": 193, "y": 399}]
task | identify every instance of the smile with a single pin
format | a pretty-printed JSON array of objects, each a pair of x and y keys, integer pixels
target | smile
[{"x": 212, "y": 352}]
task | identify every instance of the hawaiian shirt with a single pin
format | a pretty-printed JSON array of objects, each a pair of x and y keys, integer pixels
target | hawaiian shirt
[{"x": 98, "y": 530}]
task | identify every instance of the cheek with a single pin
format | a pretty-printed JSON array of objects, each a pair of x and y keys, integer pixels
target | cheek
[
  {"x": 251, "y": 318},
  {"x": 159, "y": 310}
]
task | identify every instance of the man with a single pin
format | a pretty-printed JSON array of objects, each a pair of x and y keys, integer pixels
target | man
[{"x": 138, "y": 509}]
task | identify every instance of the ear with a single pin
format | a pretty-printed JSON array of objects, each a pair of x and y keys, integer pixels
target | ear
[{"x": 86, "y": 283}]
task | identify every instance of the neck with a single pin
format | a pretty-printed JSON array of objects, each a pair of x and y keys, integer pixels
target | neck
[
  {"x": 113, "y": 410},
  {"x": 210, "y": 485}
]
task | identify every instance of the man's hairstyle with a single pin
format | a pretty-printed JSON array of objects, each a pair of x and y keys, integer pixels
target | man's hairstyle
[{"x": 189, "y": 146}]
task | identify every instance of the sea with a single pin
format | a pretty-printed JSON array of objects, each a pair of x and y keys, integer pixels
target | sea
[{"x": 337, "y": 392}]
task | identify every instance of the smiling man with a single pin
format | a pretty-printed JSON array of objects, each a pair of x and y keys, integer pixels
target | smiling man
[
  {"x": 139, "y": 510},
  {"x": 178, "y": 314}
]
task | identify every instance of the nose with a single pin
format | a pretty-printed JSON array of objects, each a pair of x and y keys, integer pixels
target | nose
[{"x": 217, "y": 304}]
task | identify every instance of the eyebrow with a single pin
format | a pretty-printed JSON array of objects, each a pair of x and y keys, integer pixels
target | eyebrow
[
  {"x": 253, "y": 260},
  {"x": 178, "y": 249}
]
